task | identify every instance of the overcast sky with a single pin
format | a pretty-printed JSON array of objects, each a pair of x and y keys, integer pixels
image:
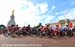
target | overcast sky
[{"x": 35, "y": 11}]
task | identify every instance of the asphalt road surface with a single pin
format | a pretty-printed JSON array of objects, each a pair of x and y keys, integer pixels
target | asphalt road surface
[{"x": 28, "y": 41}]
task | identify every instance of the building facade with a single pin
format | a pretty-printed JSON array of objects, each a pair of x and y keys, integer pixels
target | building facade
[{"x": 63, "y": 22}]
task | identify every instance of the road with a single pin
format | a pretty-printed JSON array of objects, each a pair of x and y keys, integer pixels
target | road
[{"x": 28, "y": 41}]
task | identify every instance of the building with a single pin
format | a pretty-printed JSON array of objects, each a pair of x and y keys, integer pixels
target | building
[
  {"x": 53, "y": 24},
  {"x": 63, "y": 22}
]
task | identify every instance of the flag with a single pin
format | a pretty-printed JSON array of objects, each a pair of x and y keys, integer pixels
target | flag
[
  {"x": 70, "y": 24},
  {"x": 59, "y": 25}
]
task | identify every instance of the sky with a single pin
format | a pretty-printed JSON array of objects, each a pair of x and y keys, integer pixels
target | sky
[{"x": 36, "y": 11}]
